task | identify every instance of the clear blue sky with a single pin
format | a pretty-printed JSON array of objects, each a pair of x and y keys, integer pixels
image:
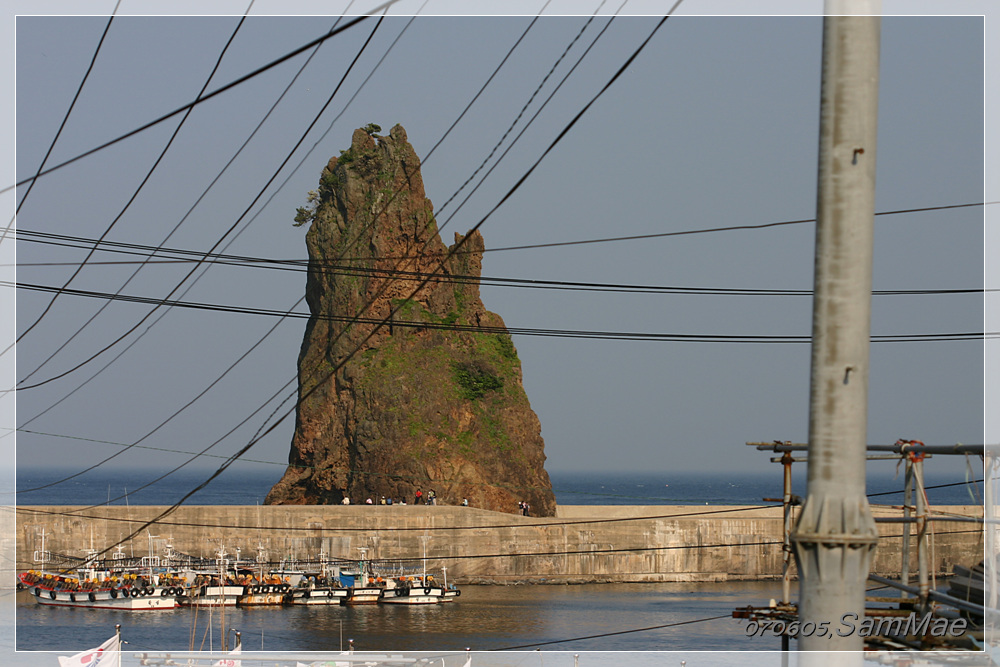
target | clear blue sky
[{"x": 715, "y": 124}]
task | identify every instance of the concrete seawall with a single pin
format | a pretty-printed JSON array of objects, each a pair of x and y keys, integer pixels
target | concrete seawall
[{"x": 581, "y": 544}]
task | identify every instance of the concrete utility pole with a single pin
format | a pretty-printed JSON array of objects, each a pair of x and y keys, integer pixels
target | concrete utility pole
[{"x": 836, "y": 535}]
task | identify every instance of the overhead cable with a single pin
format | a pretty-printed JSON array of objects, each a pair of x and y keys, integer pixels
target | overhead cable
[
  {"x": 215, "y": 180},
  {"x": 172, "y": 256},
  {"x": 246, "y": 77},
  {"x": 261, "y": 339},
  {"x": 710, "y": 230},
  {"x": 250, "y": 220},
  {"x": 613, "y": 634},
  {"x": 235, "y": 224},
  {"x": 117, "y": 218},
  {"x": 513, "y": 330}
]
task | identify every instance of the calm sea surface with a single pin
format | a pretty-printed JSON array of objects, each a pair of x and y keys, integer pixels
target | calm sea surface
[
  {"x": 249, "y": 485},
  {"x": 485, "y": 618}
]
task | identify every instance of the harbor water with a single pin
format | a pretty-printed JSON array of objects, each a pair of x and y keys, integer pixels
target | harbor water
[{"x": 592, "y": 617}]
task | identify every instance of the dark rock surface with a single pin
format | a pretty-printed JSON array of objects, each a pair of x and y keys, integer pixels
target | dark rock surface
[{"x": 433, "y": 401}]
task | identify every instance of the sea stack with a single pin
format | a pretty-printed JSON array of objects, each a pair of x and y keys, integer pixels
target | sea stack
[{"x": 430, "y": 401}]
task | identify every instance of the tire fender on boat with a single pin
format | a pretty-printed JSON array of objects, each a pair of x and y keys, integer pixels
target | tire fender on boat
[
  {"x": 72, "y": 597},
  {"x": 91, "y": 597},
  {"x": 284, "y": 588},
  {"x": 400, "y": 592},
  {"x": 164, "y": 592},
  {"x": 114, "y": 593},
  {"x": 427, "y": 591},
  {"x": 52, "y": 595}
]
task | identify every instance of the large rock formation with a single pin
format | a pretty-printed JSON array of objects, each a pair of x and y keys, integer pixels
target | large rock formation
[{"x": 432, "y": 401}]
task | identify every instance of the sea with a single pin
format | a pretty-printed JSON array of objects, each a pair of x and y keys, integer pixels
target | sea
[
  {"x": 248, "y": 485},
  {"x": 673, "y": 622}
]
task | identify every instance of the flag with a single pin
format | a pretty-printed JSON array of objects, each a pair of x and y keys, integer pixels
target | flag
[
  {"x": 105, "y": 655},
  {"x": 229, "y": 662}
]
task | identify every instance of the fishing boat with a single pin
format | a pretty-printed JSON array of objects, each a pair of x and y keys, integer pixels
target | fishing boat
[
  {"x": 61, "y": 591},
  {"x": 411, "y": 591},
  {"x": 359, "y": 590},
  {"x": 212, "y": 594},
  {"x": 213, "y": 588},
  {"x": 319, "y": 587},
  {"x": 320, "y": 594},
  {"x": 262, "y": 595},
  {"x": 362, "y": 595},
  {"x": 260, "y": 588}
]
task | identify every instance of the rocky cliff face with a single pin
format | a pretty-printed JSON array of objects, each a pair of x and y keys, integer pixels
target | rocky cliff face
[{"x": 433, "y": 401}]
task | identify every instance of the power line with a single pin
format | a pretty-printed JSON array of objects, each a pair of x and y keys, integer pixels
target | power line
[
  {"x": 246, "y": 77},
  {"x": 69, "y": 111},
  {"x": 710, "y": 230},
  {"x": 254, "y": 217},
  {"x": 525, "y": 331},
  {"x": 190, "y": 273},
  {"x": 76, "y": 514},
  {"x": 161, "y": 255},
  {"x": 245, "y": 212},
  {"x": 612, "y": 634},
  {"x": 525, "y": 108},
  {"x": 128, "y": 204},
  {"x": 96, "y": 243},
  {"x": 535, "y": 524}
]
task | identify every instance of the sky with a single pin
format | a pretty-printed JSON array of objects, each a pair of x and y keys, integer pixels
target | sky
[{"x": 714, "y": 124}]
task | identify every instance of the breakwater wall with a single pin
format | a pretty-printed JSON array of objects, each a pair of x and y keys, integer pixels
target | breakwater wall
[{"x": 581, "y": 544}]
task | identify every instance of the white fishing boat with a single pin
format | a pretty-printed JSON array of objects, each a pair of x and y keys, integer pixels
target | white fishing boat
[
  {"x": 60, "y": 591},
  {"x": 319, "y": 588},
  {"x": 215, "y": 588},
  {"x": 360, "y": 585},
  {"x": 212, "y": 595},
  {"x": 412, "y": 593},
  {"x": 319, "y": 595},
  {"x": 362, "y": 595}
]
